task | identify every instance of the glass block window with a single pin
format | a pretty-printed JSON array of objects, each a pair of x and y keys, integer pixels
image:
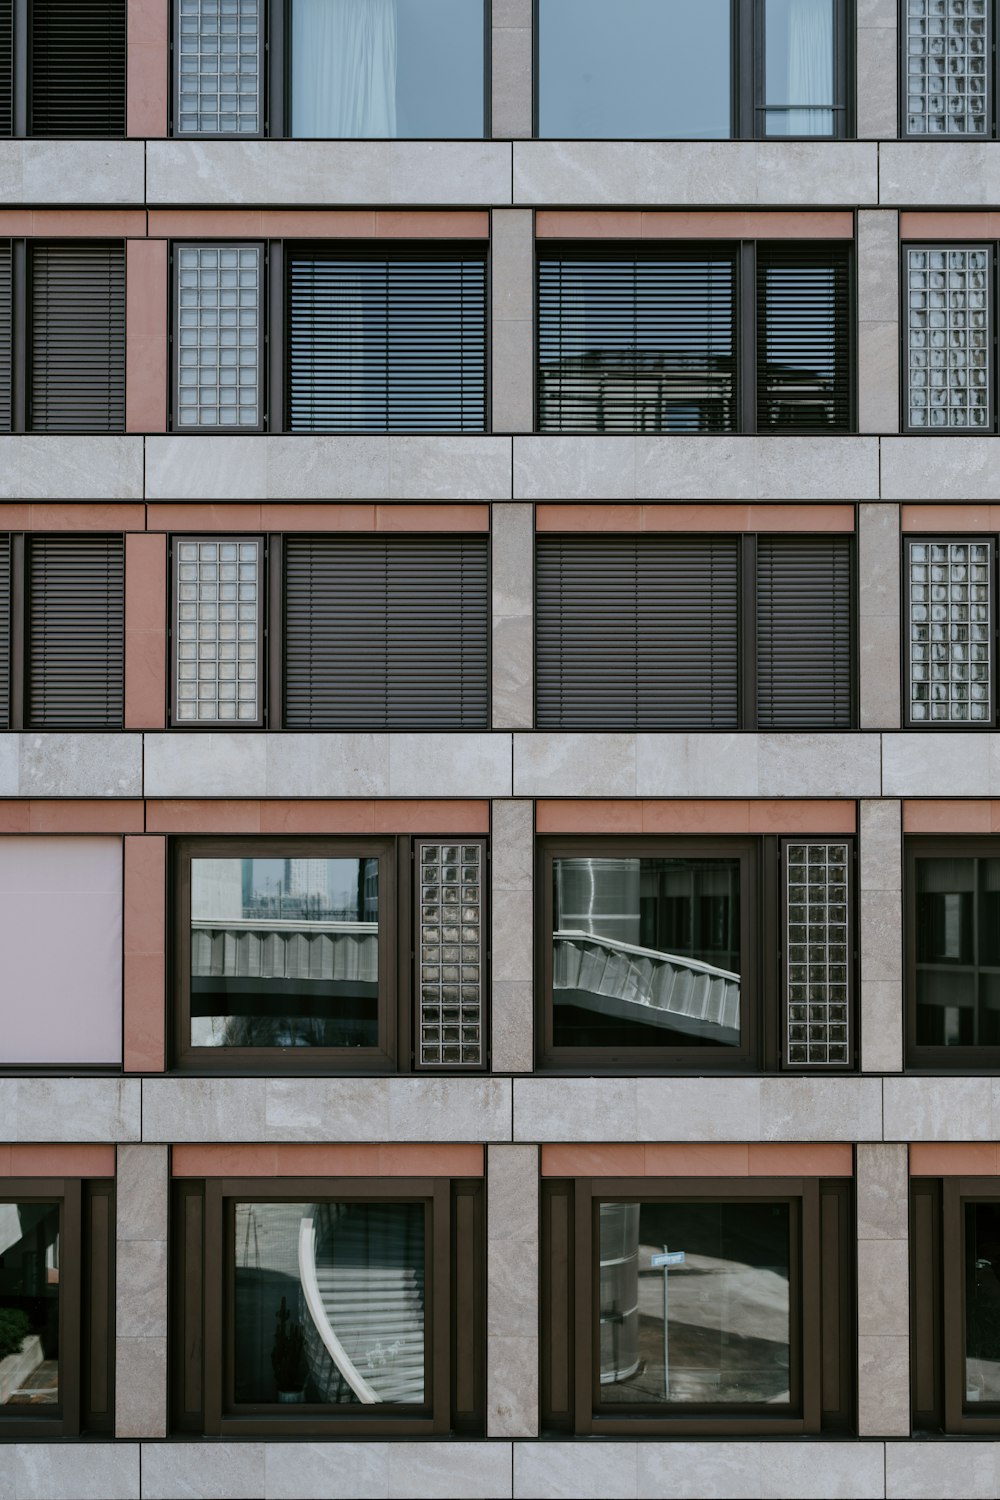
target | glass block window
[
  {"x": 219, "y": 316},
  {"x": 217, "y": 56},
  {"x": 450, "y": 956},
  {"x": 947, "y": 55},
  {"x": 950, "y": 665},
  {"x": 818, "y": 949},
  {"x": 948, "y": 337},
  {"x": 218, "y": 627}
]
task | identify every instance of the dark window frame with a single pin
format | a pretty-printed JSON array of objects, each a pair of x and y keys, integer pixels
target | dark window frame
[
  {"x": 86, "y": 1309},
  {"x": 991, "y": 86},
  {"x": 748, "y": 688},
  {"x": 928, "y": 1058},
  {"x": 747, "y": 317},
  {"x": 937, "y": 726},
  {"x": 397, "y": 1049},
  {"x": 21, "y": 73},
  {"x": 763, "y": 971},
  {"x": 263, "y": 340},
  {"x": 905, "y": 246},
  {"x": 201, "y": 1319},
  {"x": 274, "y": 82},
  {"x": 821, "y": 1304}
]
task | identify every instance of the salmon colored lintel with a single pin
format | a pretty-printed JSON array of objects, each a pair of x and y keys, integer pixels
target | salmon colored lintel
[
  {"x": 57, "y": 1161},
  {"x": 71, "y": 815},
  {"x": 328, "y": 1161},
  {"x": 728, "y": 518},
  {"x": 684, "y": 224},
  {"x": 302, "y": 816},
  {"x": 920, "y": 225},
  {"x": 954, "y": 1159},
  {"x": 301, "y": 516},
  {"x": 74, "y": 223},
  {"x": 698, "y": 1160},
  {"x": 73, "y": 516},
  {"x": 956, "y": 816},
  {"x": 691, "y": 815},
  {"x": 950, "y": 518},
  {"x": 326, "y": 223}
]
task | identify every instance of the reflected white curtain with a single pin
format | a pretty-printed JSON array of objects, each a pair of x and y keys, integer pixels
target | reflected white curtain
[
  {"x": 344, "y": 68},
  {"x": 810, "y": 66}
]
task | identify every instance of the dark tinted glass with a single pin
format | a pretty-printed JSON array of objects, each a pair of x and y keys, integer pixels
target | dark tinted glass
[
  {"x": 284, "y": 952},
  {"x": 646, "y": 952},
  {"x": 29, "y": 1306},
  {"x": 982, "y": 1302},
  {"x": 695, "y": 1307},
  {"x": 958, "y": 952},
  {"x": 637, "y": 69},
  {"x": 329, "y": 1303}
]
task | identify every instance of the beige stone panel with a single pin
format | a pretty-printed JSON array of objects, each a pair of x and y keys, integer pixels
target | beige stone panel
[
  {"x": 141, "y": 1387},
  {"x": 881, "y": 1026},
  {"x": 587, "y": 1109},
  {"x": 512, "y": 1026},
  {"x": 938, "y": 1109},
  {"x": 698, "y": 1471},
  {"x": 209, "y": 1471},
  {"x": 513, "y": 355},
  {"x": 512, "y": 956},
  {"x": 429, "y": 1471},
  {"x": 449, "y": 765},
  {"x": 946, "y": 1471},
  {"x": 575, "y": 765},
  {"x": 344, "y": 1110},
  {"x": 567, "y": 1471},
  {"x": 881, "y": 845},
  {"x": 945, "y": 468},
  {"x": 878, "y": 377},
  {"x": 883, "y": 1288},
  {"x": 877, "y": 71},
  {"x": 821, "y": 1471},
  {"x": 141, "y": 1193},
  {"x": 53, "y": 171},
  {"x": 449, "y": 1109},
  {"x": 204, "y": 1109},
  {"x": 71, "y": 1109},
  {"x": 820, "y": 1109},
  {"x": 883, "y": 1186},
  {"x": 513, "y": 677},
  {"x": 939, "y": 174},
  {"x": 879, "y": 649},
  {"x": 956, "y": 764},
  {"x": 326, "y": 1471},
  {"x": 878, "y": 265},
  {"x": 883, "y": 1386},
  {"x": 70, "y": 1471},
  {"x": 36, "y": 466},
  {"x": 511, "y": 78}
]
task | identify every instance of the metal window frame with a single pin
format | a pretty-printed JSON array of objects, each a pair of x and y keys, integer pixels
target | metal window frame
[
  {"x": 956, "y": 1194},
  {"x": 263, "y": 336},
  {"x": 939, "y": 726},
  {"x": 485, "y": 956},
  {"x": 904, "y": 338},
  {"x": 850, "y": 841},
  {"x": 991, "y": 83},
  {"x": 175, "y": 84},
  {"x": 263, "y": 632}
]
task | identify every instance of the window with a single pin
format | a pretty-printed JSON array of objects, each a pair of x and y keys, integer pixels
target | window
[
  {"x": 948, "y": 73},
  {"x": 654, "y": 338},
  {"x": 948, "y": 630},
  {"x": 364, "y": 632},
  {"x": 949, "y": 338},
  {"x": 295, "y": 954},
  {"x": 62, "y": 68},
  {"x": 953, "y": 953},
  {"x": 954, "y": 1265},
  {"x": 70, "y": 298},
  {"x": 62, "y": 631},
  {"x": 758, "y": 68},
  {"x": 697, "y": 1306},
  {"x": 367, "y": 339},
  {"x": 57, "y": 1241},
  {"x": 406, "y": 69},
  {"x": 679, "y": 632},
  {"x": 328, "y": 1306},
  {"x": 663, "y": 954}
]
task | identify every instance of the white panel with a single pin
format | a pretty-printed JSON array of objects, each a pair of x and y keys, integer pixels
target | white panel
[{"x": 61, "y": 941}]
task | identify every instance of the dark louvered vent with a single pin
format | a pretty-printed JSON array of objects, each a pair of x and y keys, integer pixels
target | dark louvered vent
[
  {"x": 6, "y": 335},
  {"x": 803, "y": 338},
  {"x": 77, "y": 338},
  {"x": 637, "y": 632},
  {"x": 804, "y": 632},
  {"x": 6, "y": 67},
  {"x": 388, "y": 343},
  {"x": 636, "y": 341},
  {"x": 386, "y": 632},
  {"x": 4, "y": 630},
  {"x": 75, "y": 632},
  {"x": 77, "y": 68}
]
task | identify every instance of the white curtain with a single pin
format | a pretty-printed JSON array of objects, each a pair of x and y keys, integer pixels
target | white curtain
[
  {"x": 810, "y": 66},
  {"x": 344, "y": 68}
]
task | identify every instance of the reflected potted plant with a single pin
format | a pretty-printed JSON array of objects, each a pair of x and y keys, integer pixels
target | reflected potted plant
[
  {"x": 20, "y": 1351},
  {"x": 286, "y": 1356}
]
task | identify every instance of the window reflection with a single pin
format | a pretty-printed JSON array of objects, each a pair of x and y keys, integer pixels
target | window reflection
[
  {"x": 329, "y": 1303},
  {"x": 710, "y": 1328},
  {"x": 646, "y": 952},
  {"x": 982, "y": 1302},
  {"x": 958, "y": 952},
  {"x": 284, "y": 952},
  {"x": 29, "y": 1304}
]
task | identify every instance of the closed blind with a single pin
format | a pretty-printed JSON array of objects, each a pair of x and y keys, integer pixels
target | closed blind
[
  {"x": 388, "y": 344},
  {"x": 6, "y": 68},
  {"x": 804, "y": 633},
  {"x": 803, "y": 338},
  {"x": 637, "y": 632},
  {"x": 4, "y": 630},
  {"x": 6, "y": 335},
  {"x": 636, "y": 342},
  {"x": 386, "y": 632},
  {"x": 75, "y": 632},
  {"x": 77, "y": 68},
  {"x": 77, "y": 338}
]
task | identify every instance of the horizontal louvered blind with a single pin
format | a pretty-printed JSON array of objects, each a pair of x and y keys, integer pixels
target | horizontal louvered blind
[
  {"x": 637, "y": 632},
  {"x": 386, "y": 632},
  {"x": 4, "y": 630},
  {"x": 636, "y": 341},
  {"x": 77, "y": 338},
  {"x": 803, "y": 337},
  {"x": 75, "y": 632},
  {"x": 77, "y": 68},
  {"x": 6, "y": 335},
  {"x": 804, "y": 632},
  {"x": 387, "y": 343},
  {"x": 6, "y": 67}
]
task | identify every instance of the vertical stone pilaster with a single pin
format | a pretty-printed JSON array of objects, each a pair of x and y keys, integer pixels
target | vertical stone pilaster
[
  {"x": 512, "y": 949},
  {"x": 141, "y": 1293},
  {"x": 883, "y": 1291},
  {"x": 512, "y": 1292}
]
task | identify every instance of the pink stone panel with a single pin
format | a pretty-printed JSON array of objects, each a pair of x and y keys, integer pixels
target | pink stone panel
[
  {"x": 146, "y": 362},
  {"x": 145, "y": 954},
  {"x": 145, "y": 631}
]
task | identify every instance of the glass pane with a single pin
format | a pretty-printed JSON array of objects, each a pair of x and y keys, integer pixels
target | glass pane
[
  {"x": 709, "y": 1326},
  {"x": 982, "y": 1302},
  {"x": 798, "y": 67},
  {"x": 29, "y": 1304},
  {"x": 284, "y": 952},
  {"x": 218, "y": 67},
  {"x": 958, "y": 952},
  {"x": 646, "y": 952},
  {"x": 947, "y": 53},
  {"x": 218, "y": 336},
  {"x": 387, "y": 68},
  {"x": 450, "y": 955},
  {"x": 818, "y": 955},
  {"x": 637, "y": 69},
  {"x": 948, "y": 338},
  {"x": 950, "y": 635},
  {"x": 329, "y": 1303}
]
